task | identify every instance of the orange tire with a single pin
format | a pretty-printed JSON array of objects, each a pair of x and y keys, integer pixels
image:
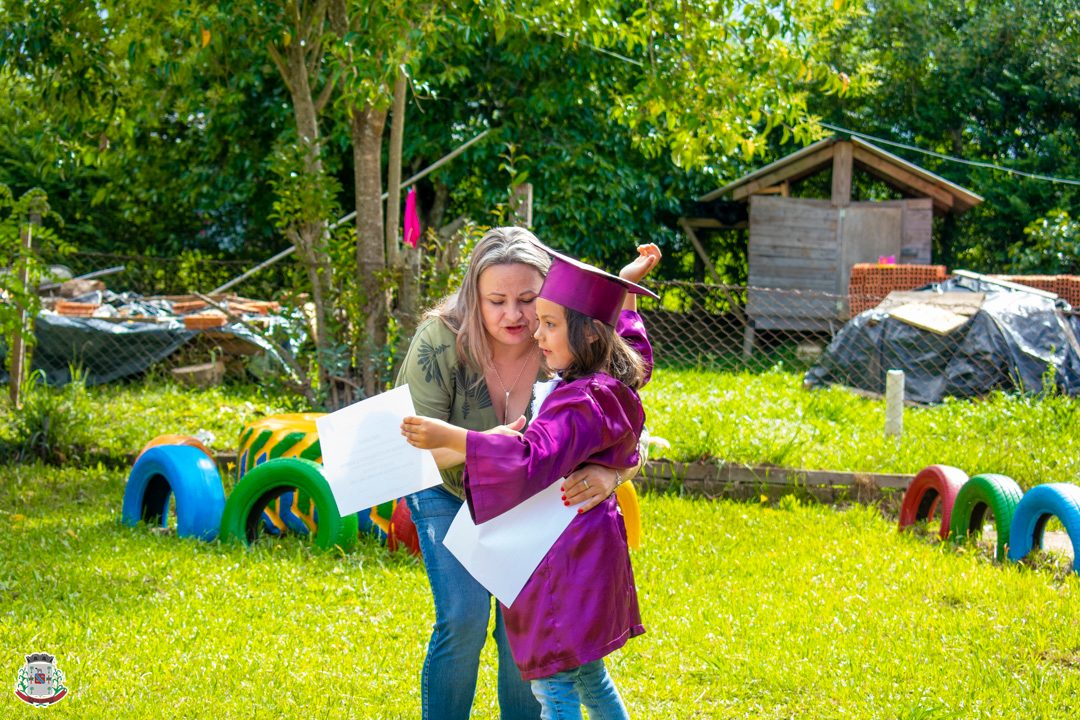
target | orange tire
[{"x": 175, "y": 440}]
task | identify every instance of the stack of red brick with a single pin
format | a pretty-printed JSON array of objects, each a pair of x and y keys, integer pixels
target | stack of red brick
[
  {"x": 870, "y": 282},
  {"x": 1066, "y": 287}
]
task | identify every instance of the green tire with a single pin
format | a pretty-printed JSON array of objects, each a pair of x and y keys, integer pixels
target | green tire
[
  {"x": 997, "y": 493},
  {"x": 260, "y": 485}
]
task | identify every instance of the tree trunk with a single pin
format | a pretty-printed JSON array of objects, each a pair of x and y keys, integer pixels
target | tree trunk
[{"x": 367, "y": 129}]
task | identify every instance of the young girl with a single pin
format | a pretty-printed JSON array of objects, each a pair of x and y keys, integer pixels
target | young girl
[{"x": 580, "y": 604}]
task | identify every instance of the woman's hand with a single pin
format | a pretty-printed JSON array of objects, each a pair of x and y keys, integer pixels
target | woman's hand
[
  {"x": 590, "y": 486},
  {"x": 648, "y": 258},
  {"x": 513, "y": 429}
]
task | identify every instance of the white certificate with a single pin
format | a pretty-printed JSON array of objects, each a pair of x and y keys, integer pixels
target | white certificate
[
  {"x": 366, "y": 460},
  {"x": 503, "y": 552}
]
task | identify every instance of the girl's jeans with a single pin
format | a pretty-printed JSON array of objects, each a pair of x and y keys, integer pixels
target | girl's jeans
[
  {"x": 462, "y": 610},
  {"x": 561, "y": 695}
]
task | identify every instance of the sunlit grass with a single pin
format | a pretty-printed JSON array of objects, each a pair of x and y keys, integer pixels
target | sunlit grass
[
  {"x": 769, "y": 418},
  {"x": 751, "y": 611}
]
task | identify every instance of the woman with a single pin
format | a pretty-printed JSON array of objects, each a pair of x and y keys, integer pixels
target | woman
[{"x": 473, "y": 362}]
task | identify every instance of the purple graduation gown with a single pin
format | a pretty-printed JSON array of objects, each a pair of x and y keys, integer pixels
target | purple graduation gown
[{"x": 580, "y": 604}]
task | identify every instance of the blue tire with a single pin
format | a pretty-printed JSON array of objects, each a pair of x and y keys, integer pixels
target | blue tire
[
  {"x": 1060, "y": 500},
  {"x": 181, "y": 475}
]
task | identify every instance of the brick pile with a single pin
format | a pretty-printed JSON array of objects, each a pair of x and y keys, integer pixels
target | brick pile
[
  {"x": 870, "y": 282},
  {"x": 1066, "y": 287}
]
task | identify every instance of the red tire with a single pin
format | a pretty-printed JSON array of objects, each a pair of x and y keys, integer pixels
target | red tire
[
  {"x": 402, "y": 530},
  {"x": 933, "y": 489},
  {"x": 175, "y": 440}
]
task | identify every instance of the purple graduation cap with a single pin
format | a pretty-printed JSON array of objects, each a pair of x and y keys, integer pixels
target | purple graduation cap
[{"x": 589, "y": 290}]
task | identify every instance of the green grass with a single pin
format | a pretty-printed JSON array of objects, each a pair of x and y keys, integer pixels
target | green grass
[
  {"x": 752, "y": 612},
  {"x": 769, "y": 418}
]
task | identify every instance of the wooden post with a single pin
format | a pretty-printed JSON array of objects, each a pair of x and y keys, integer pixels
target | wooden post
[
  {"x": 841, "y": 174},
  {"x": 521, "y": 197},
  {"x": 18, "y": 345},
  {"x": 894, "y": 403}
]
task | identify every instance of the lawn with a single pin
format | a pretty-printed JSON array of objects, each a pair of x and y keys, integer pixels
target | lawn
[{"x": 753, "y": 610}]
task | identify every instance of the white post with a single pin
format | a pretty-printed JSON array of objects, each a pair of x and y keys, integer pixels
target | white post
[{"x": 894, "y": 403}]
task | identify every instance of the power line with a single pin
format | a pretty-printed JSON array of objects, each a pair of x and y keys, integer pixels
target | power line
[{"x": 976, "y": 163}]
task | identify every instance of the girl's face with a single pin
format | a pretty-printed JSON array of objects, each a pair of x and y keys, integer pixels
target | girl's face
[
  {"x": 508, "y": 302},
  {"x": 551, "y": 334}
]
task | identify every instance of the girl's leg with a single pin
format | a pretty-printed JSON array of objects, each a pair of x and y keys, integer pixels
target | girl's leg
[
  {"x": 558, "y": 696},
  {"x": 516, "y": 701},
  {"x": 462, "y": 608},
  {"x": 598, "y": 692}
]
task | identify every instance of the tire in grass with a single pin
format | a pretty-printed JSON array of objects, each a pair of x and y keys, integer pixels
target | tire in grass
[
  {"x": 1039, "y": 504},
  {"x": 997, "y": 493},
  {"x": 934, "y": 488},
  {"x": 180, "y": 475},
  {"x": 631, "y": 512},
  {"x": 175, "y": 440},
  {"x": 402, "y": 529},
  {"x": 274, "y": 436},
  {"x": 268, "y": 481}
]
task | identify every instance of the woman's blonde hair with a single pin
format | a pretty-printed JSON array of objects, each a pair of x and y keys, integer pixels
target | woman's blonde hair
[{"x": 460, "y": 311}]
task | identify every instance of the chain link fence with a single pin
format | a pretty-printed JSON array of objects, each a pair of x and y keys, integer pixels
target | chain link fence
[
  {"x": 966, "y": 338},
  {"x": 979, "y": 335}
]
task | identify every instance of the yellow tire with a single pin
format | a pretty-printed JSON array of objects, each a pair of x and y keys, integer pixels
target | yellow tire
[
  {"x": 631, "y": 512},
  {"x": 274, "y": 436}
]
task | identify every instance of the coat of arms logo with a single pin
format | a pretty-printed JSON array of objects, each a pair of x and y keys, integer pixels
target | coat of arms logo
[{"x": 39, "y": 681}]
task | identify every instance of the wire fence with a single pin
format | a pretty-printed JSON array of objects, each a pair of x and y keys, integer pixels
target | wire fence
[{"x": 959, "y": 344}]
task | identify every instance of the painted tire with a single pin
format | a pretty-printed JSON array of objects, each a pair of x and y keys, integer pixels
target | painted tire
[
  {"x": 175, "y": 440},
  {"x": 274, "y": 436},
  {"x": 997, "y": 493},
  {"x": 402, "y": 529},
  {"x": 934, "y": 488},
  {"x": 270, "y": 480},
  {"x": 631, "y": 513},
  {"x": 184, "y": 475},
  {"x": 1061, "y": 500}
]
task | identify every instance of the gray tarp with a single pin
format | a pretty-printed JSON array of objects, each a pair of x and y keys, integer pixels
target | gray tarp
[
  {"x": 108, "y": 350},
  {"x": 1013, "y": 342}
]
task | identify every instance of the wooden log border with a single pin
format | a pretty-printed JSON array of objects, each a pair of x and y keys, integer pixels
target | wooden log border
[
  {"x": 746, "y": 482},
  {"x": 751, "y": 482}
]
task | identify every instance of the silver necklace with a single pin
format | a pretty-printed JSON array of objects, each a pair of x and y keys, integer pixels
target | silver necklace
[{"x": 506, "y": 393}]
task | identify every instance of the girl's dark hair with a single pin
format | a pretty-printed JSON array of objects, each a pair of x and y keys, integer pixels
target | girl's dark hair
[{"x": 607, "y": 352}]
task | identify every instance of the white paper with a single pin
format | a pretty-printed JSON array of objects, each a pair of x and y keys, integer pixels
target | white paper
[
  {"x": 366, "y": 459},
  {"x": 503, "y": 552}
]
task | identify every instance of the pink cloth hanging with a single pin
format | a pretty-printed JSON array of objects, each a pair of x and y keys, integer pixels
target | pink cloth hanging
[{"x": 411, "y": 232}]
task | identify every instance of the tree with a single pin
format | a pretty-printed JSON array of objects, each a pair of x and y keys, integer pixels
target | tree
[{"x": 995, "y": 82}]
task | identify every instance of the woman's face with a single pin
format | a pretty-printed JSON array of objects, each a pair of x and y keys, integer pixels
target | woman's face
[{"x": 508, "y": 302}]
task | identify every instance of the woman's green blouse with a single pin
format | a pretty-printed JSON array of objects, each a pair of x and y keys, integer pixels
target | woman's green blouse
[{"x": 443, "y": 386}]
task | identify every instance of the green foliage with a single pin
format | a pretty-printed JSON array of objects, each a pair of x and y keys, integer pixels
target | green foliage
[
  {"x": 997, "y": 82},
  {"x": 54, "y": 424},
  {"x": 1052, "y": 246},
  {"x": 18, "y": 218}
]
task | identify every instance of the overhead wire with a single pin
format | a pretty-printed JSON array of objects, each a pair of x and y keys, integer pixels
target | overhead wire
[{"x": 950, "y": 158}]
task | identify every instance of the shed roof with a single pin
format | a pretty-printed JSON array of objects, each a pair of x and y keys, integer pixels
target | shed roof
[{"x": 906, "y": 177}]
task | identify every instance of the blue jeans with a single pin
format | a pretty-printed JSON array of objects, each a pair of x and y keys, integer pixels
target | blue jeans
[
  {"x": 462, "y": 610},
  {"x": 561, "y": 695}
]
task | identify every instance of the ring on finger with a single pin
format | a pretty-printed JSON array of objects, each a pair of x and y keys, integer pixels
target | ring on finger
[{"x": 585, "y": 483}]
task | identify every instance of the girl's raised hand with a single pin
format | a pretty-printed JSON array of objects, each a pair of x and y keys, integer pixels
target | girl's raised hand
[{"x": 648, "y": 258}]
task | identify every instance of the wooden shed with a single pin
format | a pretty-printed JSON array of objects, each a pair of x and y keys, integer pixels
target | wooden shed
[{"x": 810, "y": 245}]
